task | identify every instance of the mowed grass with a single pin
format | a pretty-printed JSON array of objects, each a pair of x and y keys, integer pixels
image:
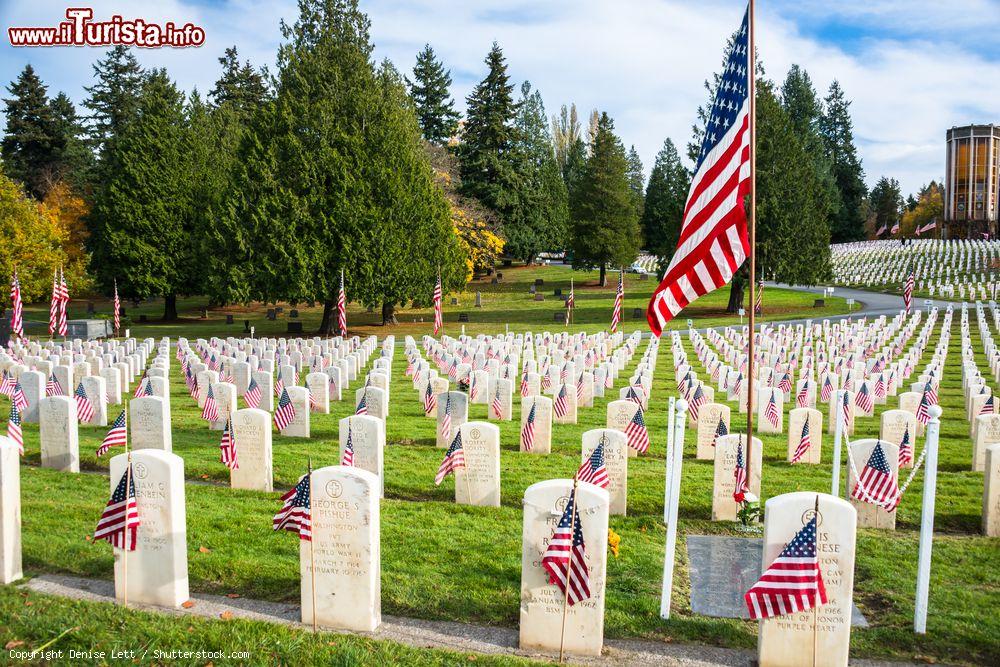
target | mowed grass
[
  {"x": 442, "y": 561},
  {"x": 506, "y": 304}
]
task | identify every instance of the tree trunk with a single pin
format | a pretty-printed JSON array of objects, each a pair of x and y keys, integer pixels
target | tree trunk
[
  {"x": 388, "y": 314},
  {"x": 170, "y": 307},
  {"x": 735, "y": 296},
  {"x": 604, "y": 275},
  {"x": 328, "y": 325}
]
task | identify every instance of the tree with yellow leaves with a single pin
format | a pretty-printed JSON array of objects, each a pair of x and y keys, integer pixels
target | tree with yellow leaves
[
  {"x": 67, "y": 211},
  {"x": 31, "y": 242},
  {"x": 930, "y": 205}
]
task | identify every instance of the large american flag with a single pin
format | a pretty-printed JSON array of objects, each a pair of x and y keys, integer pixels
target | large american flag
[
  {"x": 877, "y": 483},
  {"x": 805, "y": 442},
  {"x": 17, "y": 308},
  {"x": 528, "y": 430},
  {"x": 296, "y": 512},
  {"x": 565, "y": 559},
  {"x": 793, "y": 582},
  {"x": 54, "y": 304},
  {"x": 84, "y": 408},
  {"x": 454, "y": 458},
  {"x": 342, "y": 308},
  {"x": 120, "y": 521},
  {"x": 284, "y": 412},
  {"x": 713, "y": 241},
  {"x": 636, "y": 433},
  {"x": 14, "y": 428},
  {"x": 117, "y": 435},
  {"x": 118, "y": 308},
  {"x": 438, "y": 318},
  {"x": 227, "y": 446},
  {"x": 616, "y": 312},
  {"x": 593, "y": 469},
  {"x": 908, "y": 292},
  {"x": 63, "y": 302}
]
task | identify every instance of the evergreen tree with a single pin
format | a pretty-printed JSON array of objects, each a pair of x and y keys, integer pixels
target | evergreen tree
[
  {"x": 538, "y": 221},
  {"x": 836, "y": 128},
  {"x": 240, "y": 85},
  {"x": 886, "y": 203},
  {"x": 31, "y": 146},
  {"x": 487, "y": 157},
  {"x": 144, "y": 207},
  {"x": 76, "y": 160},
  {"x": 605, "y": 224},
  {"x": 636, "y": 180},
  {"x": 113, "y": 99},
  {"x": 666, "y": 195},
  {"x": 430, "y": 92},
  {"x": 572, "y": 170}
]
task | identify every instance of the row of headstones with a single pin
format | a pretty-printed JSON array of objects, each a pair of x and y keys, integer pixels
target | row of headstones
[{"x": 340, "y": 568}]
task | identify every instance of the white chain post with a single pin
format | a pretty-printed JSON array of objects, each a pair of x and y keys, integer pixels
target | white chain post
[
  {"x": 667, "y": 460},
  {"x": 927, "y": 522},
  {"x": 838, "y": 428},
  {"x": 674, "y": 473}
]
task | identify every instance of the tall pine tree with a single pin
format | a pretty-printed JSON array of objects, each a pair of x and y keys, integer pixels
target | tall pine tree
[
  {"x": 636, "y": 180},
  {"x": 240, "y": 85},
  {"x": 605, "y": 226},
  {"x": 432, "y": 97},
  {"x": 886, "y": 201},
  {"x": 31, "y": 146},
  {"x": 836, "y": 128},
  {"x": 666, "y": 195}
]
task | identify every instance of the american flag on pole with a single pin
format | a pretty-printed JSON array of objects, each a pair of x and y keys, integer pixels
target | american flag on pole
[
  {"x": 14, "y": 428},
  {"x": 117, "y": 435},
  {"x": 565, "y": 559},
  {"x": 54, "y": 304},
  {"x": 454, "y": 458},
  {"x": 908, "y": 291},
  {"x": 342, "y": 308},
  {"x": 905, "y": 448},
  {"x": 771, "y": 412},
  {"x": 253, "y": 395},
  {"x": 877, "y": 483},
  {"x": 561, "y": 406},
  {"x": 570, "y": 302},
  {"x": 758, "y": 305},
  {"x": 593, "y": 469},
  {"x": 119, "y": 522},
  {"x": 742, "y": 485},
  {"x": 616, "y": 312},
  {"x": 805, "y": 442},
  {"x": 793, "y": 582},
  {"x": 17, "y": 308},
  {"x": 528, "y": 430},
  {"x": 296, "y": 512},
  {"x": 347, "y": 458},
  {"x": 227, "y": 446},
  {"x": 118, "y": 309},
  {"x": 210, "y": 410},
  {"x": 438, "y": 294},
  {"x": 713, "y": 241},
  {"x": 63, "y": 302},
  {"x": 84, "y": 408},
  {"x": 284, "y": 412},
  {"x": 636, "y": 433}
]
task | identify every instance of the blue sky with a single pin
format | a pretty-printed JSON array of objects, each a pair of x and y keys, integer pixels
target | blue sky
[{"x": 912, "y": 68}]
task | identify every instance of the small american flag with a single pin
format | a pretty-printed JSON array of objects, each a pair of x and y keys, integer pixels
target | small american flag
[
  {"x": 438, "y": 317},
  {"x": 53, "y": 387},
  {"x": 561, "y": 406},
  {"x": 695, "y": 402},
  {"x": 473, "y": 387},
  {"x": 805, "y": 442},
  {"x": 84, "y": 408},
  {"x": 528, "y": 430},
  {"x": 7, "y": 384},
  {"x": 720, "y": 431},
  {"x": 342, "y": 308},
  {"x": 446, "y": 419},
  {"x": 570, "y": 302},
  {"x": 636, "y": 433},
  {"x": 117, "y": 435},
  {"x": 227, "y": 446},
  {"x": 863, "y": 399},
  {"x": 742, "y": 486},
  {"x": 120, "y": 521},
  {"x": 279, "y": 387},
  {"x": 924, "y": 409},
  {"x": 802, "y": 399},
  {"x": 905, "y": 448},
  {"x": 210, "y": 411},
  {"x": 846, "y": 411},
  {"x": 879, "y": 389},
  {"x": 827, "y": 390},
  {"x": 138, "y": 388},
  {"x": 148, "y": 391},
  {"x": 296, "y": 512},
  {"x": 284, "y": 412},
  {"x": 932, "y": 397},
  {"x": 593, "y": 469},
  {"x": 616, "y": 313},
  {"x": 771, "y": 412},
  {"x": 524, "y": 383},
  {"x": 347, "y": 458},
  {"x": 908, "y": 292},
  {"x": 14, "y": 428},
  {"x": 793, "y": 582},
  {"x": 454, "y": 459},
  {"x": 758, "y": 304},
  {"x": 565, "y": 559},
  {"x": 497, "y": 404},
  {"x": 987, "y": 408},
  {"x": 253, "y": 395},
  {"x": 17, "y": 308},
  {"x": 430, "y": 400},
  {"x": 785, "y": 385},
  {"x": 877, "y": 484}
]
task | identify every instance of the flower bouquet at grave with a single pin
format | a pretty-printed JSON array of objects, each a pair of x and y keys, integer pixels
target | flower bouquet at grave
[{"x": 750, "y": 514}]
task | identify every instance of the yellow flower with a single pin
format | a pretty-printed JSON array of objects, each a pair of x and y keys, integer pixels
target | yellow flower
[{"x": 614, "y": 539}]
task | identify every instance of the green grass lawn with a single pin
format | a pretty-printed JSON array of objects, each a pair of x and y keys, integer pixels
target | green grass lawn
[
  {"x": 448, "y": 562},
  {"x": 507, "y": 303}
]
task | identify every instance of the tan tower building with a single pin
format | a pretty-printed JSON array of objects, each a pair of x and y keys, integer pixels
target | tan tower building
[{"x": 972, "y": 186}]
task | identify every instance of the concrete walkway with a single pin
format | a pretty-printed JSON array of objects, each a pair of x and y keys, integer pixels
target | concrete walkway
[{"x": 460, "y": 637}]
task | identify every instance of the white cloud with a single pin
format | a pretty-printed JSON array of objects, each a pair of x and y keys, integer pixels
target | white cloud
[{"x": 643, "y": 61}]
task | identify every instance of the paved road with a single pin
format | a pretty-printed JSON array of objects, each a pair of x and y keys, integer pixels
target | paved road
[{"x": 871, "y": 303}]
